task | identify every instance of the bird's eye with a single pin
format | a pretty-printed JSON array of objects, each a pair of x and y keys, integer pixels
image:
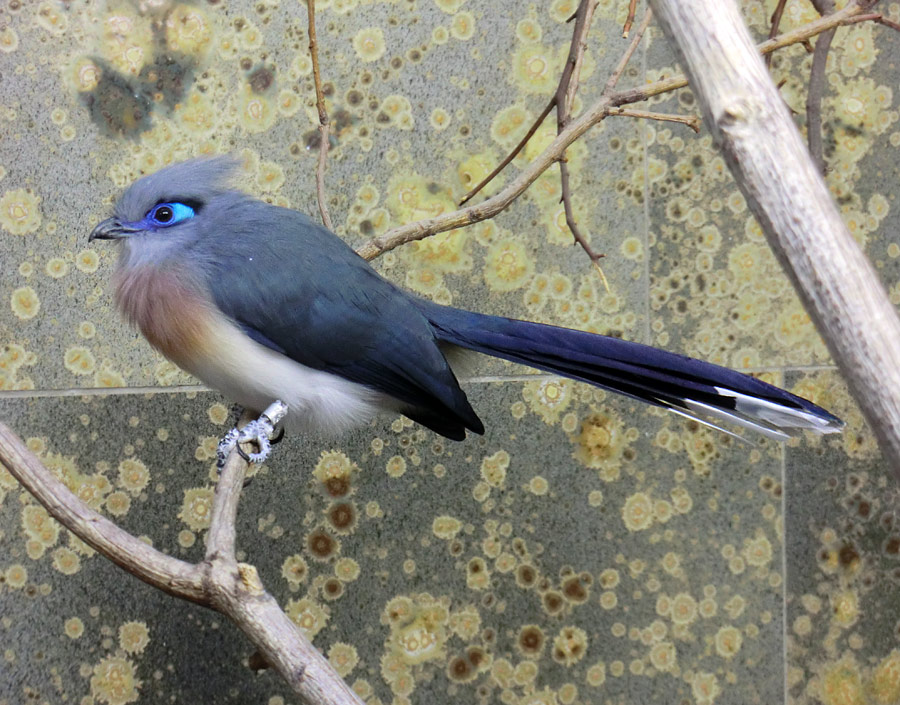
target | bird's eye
[{"x": 166, "y": 214}]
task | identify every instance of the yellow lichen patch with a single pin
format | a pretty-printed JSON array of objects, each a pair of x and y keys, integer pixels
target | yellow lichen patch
[
  {"x": 270, "y": 176},
  {"x": 683, "y": 609},
  {"x": 478, "y": 577},
  {"x": 79, "y": 361},
  {"x": 334, "y": 468},
  {"x": 570, "y": 645},
  {"x": 884, "y": 685},
  {"x": 449, "y": 6},
  {"x": 728, "y": 641},
  {"x": 840, "y": 683},
  {"x": 256, "y": 113},
  {"x": 9, "y": 40},
  {"x": 510, "y": 125},
  {"x": 196, "y": 507},
  {"x": 439, "y": 119},
  {"x": 493, "y": 468},
  {"x": 758, "y": 551},
  {"x": 114, "y": 681},
  {"x": 462, "y": 26},
  {"x": 346, "y": 570},
  {"x": 396, "y": 466},
  {"x": 465, "y": 622},
  {"x": 548, "y": 398},
  {"x": 663, "y": 656},
  {"x": 295, "y": 570},
  {"x": 705, "y": 687},
  {"x": 20, "y": 212},
  {"x": 87, "y": 261},
  {"x": 127, "y": 42},
  {"x": 84, "y": 74},
  {"x": 25, "y": 303},
  {"x": 343, "y": 658},
  {"x": 508, "y": 265},
  {"x": 446, "y": 527},
  {"x": 73, "y": 627},
  {"x": 39, "y": 526},
  {"x": 309, "y": 615},
  {"x": 538, "y": 486},
  {"x": 418, "y": 629},
  {"x": 369, "y": 44},
  {"x": 600, "y": 444},
  {"x": 535, "y": 68},
  {"x": 188, "y": 30},
  {"x": 134, "y": 637},
  {"x": 197, "y": 114},
  {"x": 845, "y": 607},
  {"x": 637, "y": 512},
  {"x": 475, "y": 168},
  {"x": 66, "y": 561},
  {"x": 133, "y": 475}
]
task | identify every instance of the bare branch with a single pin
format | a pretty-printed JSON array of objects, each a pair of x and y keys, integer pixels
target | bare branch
[
  {"x": 169, "y": 574},
  {"x": 512, "y": 155},
  {"x": 776, "y": 22},
  {"x": 817, "y": 88},
  {"x": 565, "y": 93},
  {"x": 629, "y": 52},
  {"x": 575, "y": 129},
  {"x": 629, "y": 20},
  {"x": 219, "y": 581},
  {"x": 692, "y": 121},
  {"x": 323, "y": 116}
]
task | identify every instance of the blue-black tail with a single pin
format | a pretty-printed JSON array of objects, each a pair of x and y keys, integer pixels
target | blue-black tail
[{"x": 700, "y": 390}]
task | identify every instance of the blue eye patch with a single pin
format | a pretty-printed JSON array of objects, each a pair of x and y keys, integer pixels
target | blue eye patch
[{"x": 163, "y": 215}]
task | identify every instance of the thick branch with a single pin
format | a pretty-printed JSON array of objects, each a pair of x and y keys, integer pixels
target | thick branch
[
  {"x": 220, "y": 582},
  {"x": 169, "y": 574},
  {"x": 770, "y": 163}
]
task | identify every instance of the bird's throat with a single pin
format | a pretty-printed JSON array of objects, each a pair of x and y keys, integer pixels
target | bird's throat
[{"x": 169, "y": 312}]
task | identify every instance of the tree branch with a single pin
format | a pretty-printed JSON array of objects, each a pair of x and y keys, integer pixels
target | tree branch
[
  {"x": 770, "y": 163},
  {"x": 575, "y": 129},
  {"x": 323, "y": 116},
  {"x": 817, "y": 88},
  {"x": 219, "y": 581}
]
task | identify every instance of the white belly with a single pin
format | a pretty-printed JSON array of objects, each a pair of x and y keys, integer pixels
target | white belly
[{"x": 254, "y": 376}]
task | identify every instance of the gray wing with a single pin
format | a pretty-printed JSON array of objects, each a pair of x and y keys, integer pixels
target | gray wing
[{"x": 299, "y": 289}]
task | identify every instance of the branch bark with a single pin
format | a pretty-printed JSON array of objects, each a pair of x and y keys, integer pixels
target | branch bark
[
  {"x": 219, "y": 581},
  {"x": 766, "y": 154}
]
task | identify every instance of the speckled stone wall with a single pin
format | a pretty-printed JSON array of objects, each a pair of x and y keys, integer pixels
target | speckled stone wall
[{"x": 587, "y": 549}]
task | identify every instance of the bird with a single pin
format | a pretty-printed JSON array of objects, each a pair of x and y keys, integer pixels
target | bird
[{"x": 262, "y": 304}]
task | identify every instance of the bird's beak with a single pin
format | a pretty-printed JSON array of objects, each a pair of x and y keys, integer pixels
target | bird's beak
[{"x": 111, "y": 229}]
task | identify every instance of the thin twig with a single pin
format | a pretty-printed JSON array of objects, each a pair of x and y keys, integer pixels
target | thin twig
[
  {"x": 692, "y": 121},
  {"x": 629, "y": 20},
  {"x": 512, "y": 155},
  {"x": 817, "y": 88},
  {"x": 565, "y": 93},
  {"x": 323, "y": 116},
  {"x": 575, "y": 129},
  {"x": 629, "y": 52},
  {"x": 776, "y": 21}
]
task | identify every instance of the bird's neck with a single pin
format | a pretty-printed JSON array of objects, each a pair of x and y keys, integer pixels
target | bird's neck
[{"x": 167, "y": 308}]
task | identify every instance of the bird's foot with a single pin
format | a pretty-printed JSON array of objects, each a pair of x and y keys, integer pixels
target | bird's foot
[{"x": 260, "y": 431}]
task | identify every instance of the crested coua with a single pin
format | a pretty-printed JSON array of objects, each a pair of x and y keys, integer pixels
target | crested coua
[{"x": 262, "y": 304}]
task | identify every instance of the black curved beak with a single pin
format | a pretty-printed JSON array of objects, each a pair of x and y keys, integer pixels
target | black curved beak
[{"x": 111, "y": 229}]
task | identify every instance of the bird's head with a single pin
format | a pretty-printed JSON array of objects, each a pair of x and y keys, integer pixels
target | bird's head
[{"x": 161, "y": 213}]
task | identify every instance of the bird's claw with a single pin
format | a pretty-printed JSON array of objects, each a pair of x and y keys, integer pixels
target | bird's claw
[{"x": 259, "y": 431}]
